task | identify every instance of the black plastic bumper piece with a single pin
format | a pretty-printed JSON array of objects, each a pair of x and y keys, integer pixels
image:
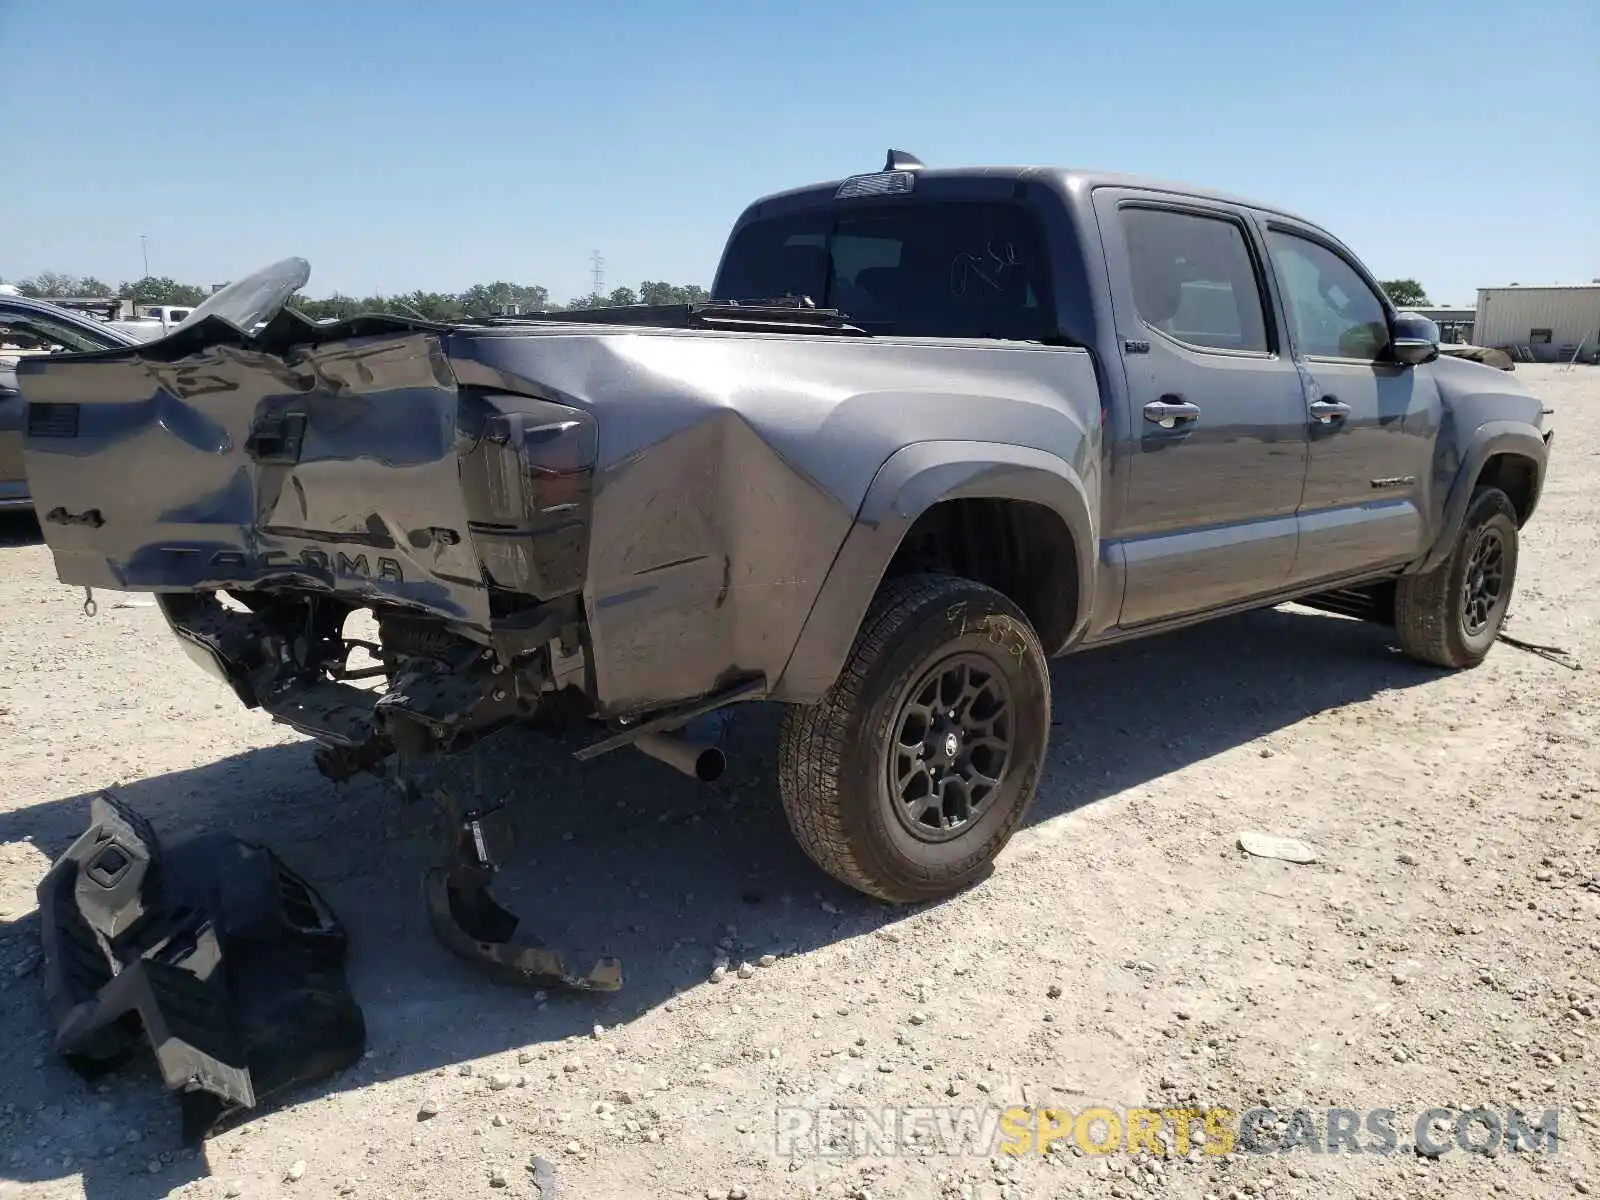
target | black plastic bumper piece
[{"x": 229, "y": 963}]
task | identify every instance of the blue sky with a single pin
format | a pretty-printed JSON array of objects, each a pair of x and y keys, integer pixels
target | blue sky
[{"x": 403, "y": 144}]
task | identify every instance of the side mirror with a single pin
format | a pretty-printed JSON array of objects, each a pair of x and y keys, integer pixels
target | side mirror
[{"x": 1413, "y": 340}]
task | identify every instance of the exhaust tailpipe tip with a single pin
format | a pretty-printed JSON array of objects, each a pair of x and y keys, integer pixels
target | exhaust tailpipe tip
[{"x": 697, "y": 760}]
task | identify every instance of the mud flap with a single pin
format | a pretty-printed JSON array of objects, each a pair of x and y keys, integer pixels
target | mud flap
[{"x": 229, "y": 964}]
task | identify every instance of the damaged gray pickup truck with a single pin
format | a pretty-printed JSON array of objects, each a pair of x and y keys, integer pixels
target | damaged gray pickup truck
[{"x": 933, "y": 428}]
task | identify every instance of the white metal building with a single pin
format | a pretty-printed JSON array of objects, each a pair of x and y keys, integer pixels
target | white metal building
[{"x": 1552, "y": 322}]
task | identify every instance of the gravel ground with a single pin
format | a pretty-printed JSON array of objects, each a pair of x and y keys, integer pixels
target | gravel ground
[{"x": 1441, "y": 952}]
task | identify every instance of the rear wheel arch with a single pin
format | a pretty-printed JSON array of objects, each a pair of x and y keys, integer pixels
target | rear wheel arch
[
  {"x": 1022, "y": 524},
  {"x": 1023, "y": 549}
]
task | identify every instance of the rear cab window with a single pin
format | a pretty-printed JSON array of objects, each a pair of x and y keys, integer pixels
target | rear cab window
[{"x": 952, "y": 269}]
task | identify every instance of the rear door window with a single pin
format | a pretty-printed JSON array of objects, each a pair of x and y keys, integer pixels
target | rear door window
[
  {"x": 930, "y": 270},
  {"x": 1194, "y": 279}
]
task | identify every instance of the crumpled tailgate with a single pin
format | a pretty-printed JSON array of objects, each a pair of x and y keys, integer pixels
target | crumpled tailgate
[{"x": 332, "y": 467}]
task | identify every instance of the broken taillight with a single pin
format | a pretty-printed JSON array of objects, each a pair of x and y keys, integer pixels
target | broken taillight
[{"x": 528, "y": 482}]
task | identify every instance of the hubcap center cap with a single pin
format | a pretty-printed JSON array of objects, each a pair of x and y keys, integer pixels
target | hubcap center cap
[{"x": 952, "y": 745}]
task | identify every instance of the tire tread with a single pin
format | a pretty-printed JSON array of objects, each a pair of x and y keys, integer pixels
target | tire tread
[
  {"x": 814, "y": 743},
  {"x": 1425, "y": 616}
]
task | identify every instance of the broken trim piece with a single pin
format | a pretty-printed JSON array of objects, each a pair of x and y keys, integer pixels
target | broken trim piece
[
  {"x": 465, "y": 917},
  {"x": 231, "y": 964}
]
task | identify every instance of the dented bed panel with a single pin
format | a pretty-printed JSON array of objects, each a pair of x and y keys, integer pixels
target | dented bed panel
[
  {"x": 693, "y": 486},
  {"x": 333, "y": 468},
  {"x": 732, "y": 466}
]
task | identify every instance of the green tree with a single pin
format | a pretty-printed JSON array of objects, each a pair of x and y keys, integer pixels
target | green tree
[
  {"x": 1406, "y": 293},
  {"x": 336, "y": 306},
  {"x": 501, "y": 298},
  {"x": 655, "y": 291},
  {"x": 48, "y": 283},
  {"x": 161, "y": 290},
  {"x": 434, "y": 306}
]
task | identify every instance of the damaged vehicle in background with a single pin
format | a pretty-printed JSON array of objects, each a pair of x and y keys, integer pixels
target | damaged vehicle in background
[
  {"x": 933, "y": 428},
  {"x": 29, "y": 328}
]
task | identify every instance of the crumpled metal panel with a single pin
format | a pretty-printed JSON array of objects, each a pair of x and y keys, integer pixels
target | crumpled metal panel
[
  {"x": 731, "y": 467},
  {"x": 332, "y": 467}
]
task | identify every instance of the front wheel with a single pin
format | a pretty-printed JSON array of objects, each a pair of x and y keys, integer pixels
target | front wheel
[
  {"x": 1451, "y": 616},
  {"x": 912, "y": 773}
]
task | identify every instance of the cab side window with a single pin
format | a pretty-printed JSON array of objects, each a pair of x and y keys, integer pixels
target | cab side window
[
  {"x": 1194, "y": 280},
  {"x": 1335, "y": 313}
]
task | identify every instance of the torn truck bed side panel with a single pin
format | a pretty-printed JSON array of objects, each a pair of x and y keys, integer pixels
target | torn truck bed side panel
[
  {"x": 333, "y": 468},
  {"x": 731, "y": 468}
]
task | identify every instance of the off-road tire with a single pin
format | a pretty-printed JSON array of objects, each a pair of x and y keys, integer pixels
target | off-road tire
[
  {"x": 832, "y": 760},
  {"x": 1430, "y": 609}
]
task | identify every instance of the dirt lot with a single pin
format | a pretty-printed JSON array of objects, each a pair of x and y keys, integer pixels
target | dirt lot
[{"x": 1443, "y": 952}]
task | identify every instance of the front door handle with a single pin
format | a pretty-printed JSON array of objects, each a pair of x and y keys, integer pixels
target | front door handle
[
  {"x": 1329, "y": 411},
  {"x": 1171, "y": 411}
]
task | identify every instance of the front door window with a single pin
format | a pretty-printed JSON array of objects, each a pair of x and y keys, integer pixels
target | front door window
[{"x": 1335, "y": 314}]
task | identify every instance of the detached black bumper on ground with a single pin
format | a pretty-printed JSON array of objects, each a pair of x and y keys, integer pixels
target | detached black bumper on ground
[{"x": 228, "y": 963}]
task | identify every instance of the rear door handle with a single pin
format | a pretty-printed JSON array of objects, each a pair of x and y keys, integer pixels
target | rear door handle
[
  {"x": 1171, "y": 411},
  {"x": 1329, "y": 411}
]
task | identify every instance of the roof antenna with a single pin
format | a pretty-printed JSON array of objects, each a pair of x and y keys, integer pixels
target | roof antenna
[{"x": 899, "y": 160}]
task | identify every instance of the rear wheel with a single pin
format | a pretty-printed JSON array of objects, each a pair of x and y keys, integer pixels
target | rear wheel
[
  {"x": 911, "y": 775},
  {"x": 1451, "y": 616}
]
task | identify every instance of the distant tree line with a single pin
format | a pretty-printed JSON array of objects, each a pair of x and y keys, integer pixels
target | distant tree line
[
  {"x": 150, "y": 290},
  {"x": 479, "y": 300},
  {"x": 489, "y": 299}
]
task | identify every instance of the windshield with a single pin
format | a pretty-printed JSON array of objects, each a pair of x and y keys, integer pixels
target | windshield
[
  {"x": 953, "y": 269},
  {"x": 251, "y": 302}
]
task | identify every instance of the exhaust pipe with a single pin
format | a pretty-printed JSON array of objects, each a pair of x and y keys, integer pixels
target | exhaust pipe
[{"x": 698, "y": 760}]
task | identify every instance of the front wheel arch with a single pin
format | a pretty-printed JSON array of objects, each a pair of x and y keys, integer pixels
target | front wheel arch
[{"x": 1498, "y": 447}]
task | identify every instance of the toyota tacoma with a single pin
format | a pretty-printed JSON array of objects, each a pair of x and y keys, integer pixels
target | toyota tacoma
[{"x": 933, "y": 428}]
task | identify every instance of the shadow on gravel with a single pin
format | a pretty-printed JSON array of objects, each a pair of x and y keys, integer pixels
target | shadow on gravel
[
  {"x": 19, "y": 529},
  {"x": 618, "y": 856}
]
